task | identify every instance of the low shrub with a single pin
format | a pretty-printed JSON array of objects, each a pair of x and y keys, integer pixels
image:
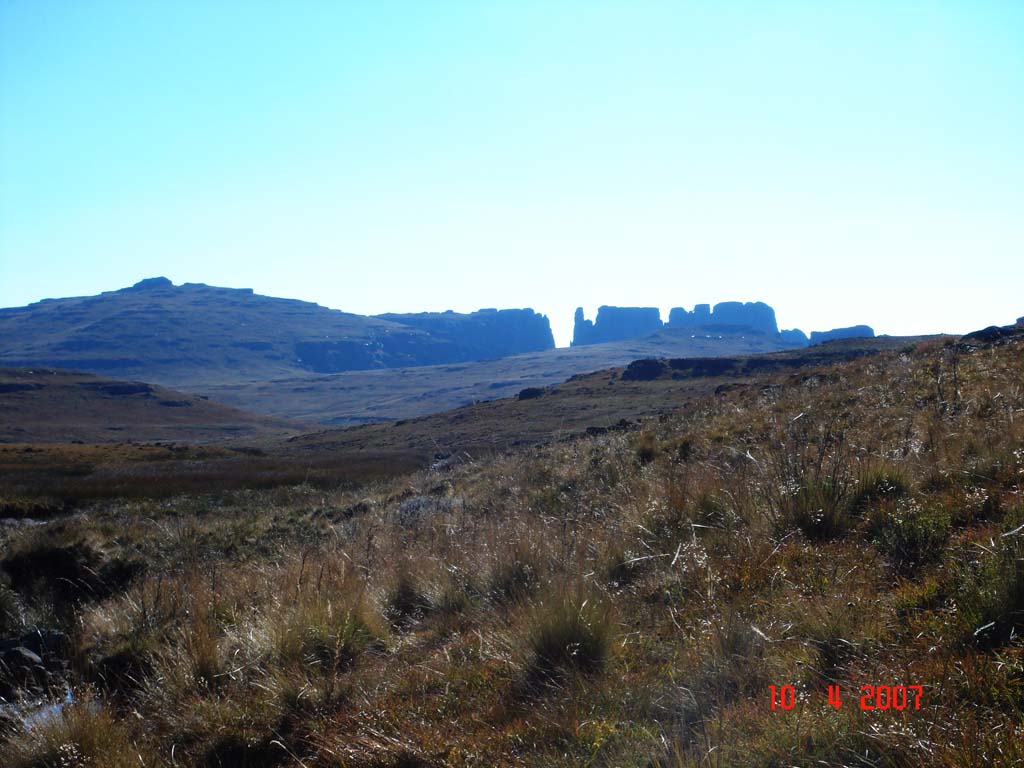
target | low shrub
[{"x": 913, "y": 535}]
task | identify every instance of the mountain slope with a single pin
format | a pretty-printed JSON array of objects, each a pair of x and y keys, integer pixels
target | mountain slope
[
  {"x": 42, "y": 406},
  {"x": 591, "y": 402},
  {"x": 198, "y": 334},
  {"x": 358, "y": 397}
]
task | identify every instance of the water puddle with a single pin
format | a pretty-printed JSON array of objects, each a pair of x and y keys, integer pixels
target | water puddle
[{"x": 36, "y": 713}]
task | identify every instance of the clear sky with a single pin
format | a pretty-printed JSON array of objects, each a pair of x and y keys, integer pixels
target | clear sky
[{"x": 844, "y": 162}]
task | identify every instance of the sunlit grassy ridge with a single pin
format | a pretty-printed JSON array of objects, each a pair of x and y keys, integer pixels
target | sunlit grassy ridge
[{"x": 623, "y": 599}]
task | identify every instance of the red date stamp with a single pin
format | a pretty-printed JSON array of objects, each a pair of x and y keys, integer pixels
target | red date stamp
[{"x": 872, "y": 697}]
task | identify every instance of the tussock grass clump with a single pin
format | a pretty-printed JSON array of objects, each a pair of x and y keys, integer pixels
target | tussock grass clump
[
  {"x": 569, "y": 635},
  {"x": 991, "y": 595},
  {"x": 202, "y": 647},
  {"x": 623, "y": 566},
  {"x": 810, "y": 479},
  {"x": 514, "y": 577},
  {"x": 457, "y": 594},
  {"x": 819, "y": 510},
  {"x": 406, "y": 602},
  {"x": 646, "y": 447},
  {"x": 736, "y": 665},
  {"x": 11, "y": 620},
  {"x": 320, "y": 633},
  {"x": 877, "y": 488}
]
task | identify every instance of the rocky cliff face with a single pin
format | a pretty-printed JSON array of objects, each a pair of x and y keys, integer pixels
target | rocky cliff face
[
  {"x": 615, "y": 324},
  {"x": 756, "y": 316},
  {"x": 794, "y": 336},
  {"x": 619, "y": 323},
  {"x": 484, "y": 334}
]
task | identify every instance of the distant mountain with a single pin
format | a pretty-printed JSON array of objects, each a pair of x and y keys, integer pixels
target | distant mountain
[
  {"x": 195, "y": 334},
  {"x": 486, "y": 334},
  {"x": 622, "y": 323}
]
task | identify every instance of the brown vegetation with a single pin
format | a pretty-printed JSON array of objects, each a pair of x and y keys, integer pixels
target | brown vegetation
[{"x": 617, "y": 599}]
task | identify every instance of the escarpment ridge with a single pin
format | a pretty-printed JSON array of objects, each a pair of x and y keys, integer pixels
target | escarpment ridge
[{"x": 620, "y": 323}]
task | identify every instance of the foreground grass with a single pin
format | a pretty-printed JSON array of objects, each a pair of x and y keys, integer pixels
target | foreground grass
[{"x": 624, "y": 599}]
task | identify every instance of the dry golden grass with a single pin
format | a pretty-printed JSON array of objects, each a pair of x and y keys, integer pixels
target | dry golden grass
[{"x": 623, "y": 599}]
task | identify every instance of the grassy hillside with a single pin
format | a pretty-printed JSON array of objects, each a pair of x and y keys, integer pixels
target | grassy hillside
[
  {"x": 48, "y": 406},
  {"x": 594, "y": 402},
  {"x": 615, "y": 599},
  {"x": 357, "y": 397}
]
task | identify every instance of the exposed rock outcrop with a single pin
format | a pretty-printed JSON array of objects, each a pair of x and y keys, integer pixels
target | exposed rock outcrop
[
  {"x": 851, "y": 332},
  {"x": 795, "y": 336},
  {"x": 150, "y": 283},
  {"x": 615, "y": 324},
  {"x": 755, "y": 315},
  {"x": 618, "y": 323},
  {"x": 484, "y": 334}
]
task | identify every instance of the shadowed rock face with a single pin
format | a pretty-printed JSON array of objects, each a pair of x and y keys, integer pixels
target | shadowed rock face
[
  {"x": 794, "y": 336},
  {"x": 615, "y": 324},
  {"x": 852, "y": 332},
  {"x": 619, "y": 323},
  {"x": 757, "y": 316},
  {"x": 484, "y": 334}
]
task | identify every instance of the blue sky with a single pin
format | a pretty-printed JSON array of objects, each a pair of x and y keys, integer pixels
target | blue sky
[{"x": 844, "y": 162}]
